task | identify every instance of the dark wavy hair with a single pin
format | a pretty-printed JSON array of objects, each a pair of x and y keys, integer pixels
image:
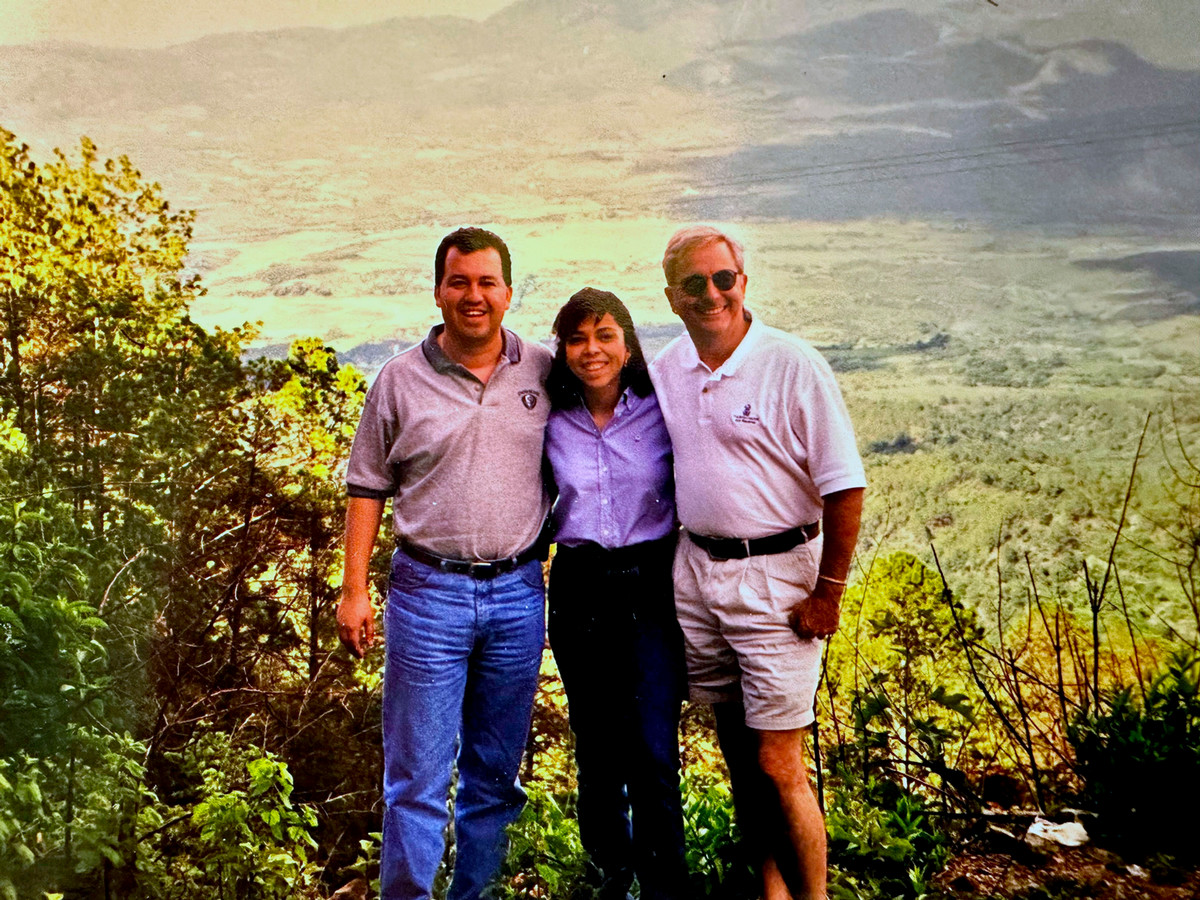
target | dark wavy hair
[
  {"x": 564, "y": 388},
  {"x": 471, "y": 240}
]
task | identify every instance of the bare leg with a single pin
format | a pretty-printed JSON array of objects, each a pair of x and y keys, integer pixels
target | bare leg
[
  {"x": 774, "y": 887},
  {"x": 801, "y": 857},
  {"x": 761, "y": 822}
]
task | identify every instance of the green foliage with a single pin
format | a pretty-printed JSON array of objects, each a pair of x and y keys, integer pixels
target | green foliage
[
  {"x": 51, "y": 665},
  {"x": 91, "y": 280},
  {"x": 1000, "y": 473},
  {"x": 253, "y": 840},
  {"x": 545, "y": 857},
  {"x": 168, "y": 543},
  {"x": 715, "y": 860},
  {"x": 897, "y": 676},
  {"x": 1139, "y": 757},
  {"x": 881, "y": 843},
  {"x": 69, "y": 786}
]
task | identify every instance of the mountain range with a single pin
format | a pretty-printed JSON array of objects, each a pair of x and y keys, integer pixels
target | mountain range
[{"x": 703, "y": 109}]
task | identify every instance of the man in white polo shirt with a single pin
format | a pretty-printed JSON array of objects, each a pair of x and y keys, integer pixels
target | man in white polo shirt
[{"x": 769, "y": 487}]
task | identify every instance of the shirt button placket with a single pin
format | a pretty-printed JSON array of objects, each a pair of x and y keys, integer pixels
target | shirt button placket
[{"x": 610, "y": 515}]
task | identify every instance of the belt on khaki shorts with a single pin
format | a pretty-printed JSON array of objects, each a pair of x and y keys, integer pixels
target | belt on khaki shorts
[
  {"x": 741, "y": 548},
  {"x": 482, "y": 569}
]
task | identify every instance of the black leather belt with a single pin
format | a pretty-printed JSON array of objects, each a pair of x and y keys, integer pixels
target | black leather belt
[
  {"x": 740, "y": 548},
  {"x": 483, "y": 569}
]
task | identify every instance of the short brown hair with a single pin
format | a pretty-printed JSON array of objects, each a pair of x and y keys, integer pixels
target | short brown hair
[{"x": 471, "y": 240}]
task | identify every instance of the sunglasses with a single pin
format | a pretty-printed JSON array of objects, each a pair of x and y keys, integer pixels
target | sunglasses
[{"x": 696, "y": 285}]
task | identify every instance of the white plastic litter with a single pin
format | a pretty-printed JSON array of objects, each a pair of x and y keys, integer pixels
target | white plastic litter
[{"x": 1064, "y": 834}]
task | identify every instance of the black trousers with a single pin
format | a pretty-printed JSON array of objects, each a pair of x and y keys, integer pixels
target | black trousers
[{"x": 620, "y": 653}]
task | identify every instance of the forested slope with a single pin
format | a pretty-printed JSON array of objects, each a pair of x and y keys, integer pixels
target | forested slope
[{"x": 175, "y": 720}]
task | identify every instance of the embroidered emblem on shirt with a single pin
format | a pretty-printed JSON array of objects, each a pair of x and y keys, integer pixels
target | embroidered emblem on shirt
[
  {"x": 746, "y": 417},
  {"x": 529, "y": 398}
]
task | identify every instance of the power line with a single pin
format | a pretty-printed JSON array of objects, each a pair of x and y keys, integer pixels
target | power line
[
  {"x": 954, "y": 171},
  {"x": 951, "y": 155}
]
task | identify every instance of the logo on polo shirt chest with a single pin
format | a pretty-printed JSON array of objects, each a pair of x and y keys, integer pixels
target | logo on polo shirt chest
[
  {"x": 746, "y": 416},
  {"x": 529, "y": 399}
]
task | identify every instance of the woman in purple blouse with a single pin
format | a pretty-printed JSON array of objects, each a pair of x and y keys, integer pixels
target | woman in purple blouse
[{"x": 612, "y": 611}]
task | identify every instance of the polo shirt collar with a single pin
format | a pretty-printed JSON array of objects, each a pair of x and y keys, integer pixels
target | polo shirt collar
[
  {"x": 443, "y": 365},
  {"x": 690, "y": 359},
  {"x": 752, "y": 336}
]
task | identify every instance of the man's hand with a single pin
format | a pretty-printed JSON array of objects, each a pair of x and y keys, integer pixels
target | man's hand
[
  {"x": 817, "y": 617},
  {"x": 355, "y": 617},
  {"x": 356, "y": 620}
]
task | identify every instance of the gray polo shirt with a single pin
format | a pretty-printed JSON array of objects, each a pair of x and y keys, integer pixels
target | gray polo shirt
[{"x": 461, "y": 460}]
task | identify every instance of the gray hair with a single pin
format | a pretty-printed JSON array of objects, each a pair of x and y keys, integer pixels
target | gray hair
[{"x": 685, "y": 240}]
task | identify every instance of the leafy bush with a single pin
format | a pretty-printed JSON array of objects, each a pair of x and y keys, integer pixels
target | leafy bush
[
  {"x": 900, "y": 696},
  {"x": 253, "y": 839},
  {"x": 881, "y": 843},
  {"x": 71, "y": 785},
  {"x": 717, "y": 865},
  {"x": 546, "y": 858},
  {"x": 1139, "y": 757}
]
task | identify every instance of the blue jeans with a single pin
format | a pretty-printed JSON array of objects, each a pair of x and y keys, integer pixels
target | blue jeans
[
  {"x": 462, "y": 665},
  {"x": 620, "y": 653}
]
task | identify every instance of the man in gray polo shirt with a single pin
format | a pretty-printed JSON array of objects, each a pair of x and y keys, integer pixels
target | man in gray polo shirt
[
  {"x": 769, "y": 489},
  {"x": 452, "y": 433}
]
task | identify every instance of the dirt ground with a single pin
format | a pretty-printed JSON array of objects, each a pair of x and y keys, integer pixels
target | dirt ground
[{"x": 1085, "y": 872}]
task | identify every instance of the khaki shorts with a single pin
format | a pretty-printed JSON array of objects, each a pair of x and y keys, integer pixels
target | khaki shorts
[{"x": 734, "y": 616}]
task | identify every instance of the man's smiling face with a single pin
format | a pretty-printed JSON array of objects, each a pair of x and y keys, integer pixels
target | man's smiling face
[
  {"x": 473, "y": 296},
  {"x": 714, "y": 315}
]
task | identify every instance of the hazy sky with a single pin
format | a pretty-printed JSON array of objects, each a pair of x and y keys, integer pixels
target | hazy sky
[
  {"x": 151, "y": 23},
  {"x": 1160, "y": 30}
]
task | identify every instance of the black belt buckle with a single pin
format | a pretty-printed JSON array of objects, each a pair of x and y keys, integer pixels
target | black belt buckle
[
  {"x": 489, "y": 569},
  {"x": 720, "y": 549},
  {"x": 483, "y": 570},
  {"x": 729, "y": 548}
]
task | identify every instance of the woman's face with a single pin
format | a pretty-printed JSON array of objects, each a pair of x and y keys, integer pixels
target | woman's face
[{"x": 596, "y": 352}]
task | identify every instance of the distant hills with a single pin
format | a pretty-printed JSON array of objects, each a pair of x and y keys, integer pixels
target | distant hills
[
  {"x": 688, "y": 108},
  {"x": 885, "y": 115}
]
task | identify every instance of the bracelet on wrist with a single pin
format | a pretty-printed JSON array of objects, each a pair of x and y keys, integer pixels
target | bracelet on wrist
[{"x": 831, "y": 580}]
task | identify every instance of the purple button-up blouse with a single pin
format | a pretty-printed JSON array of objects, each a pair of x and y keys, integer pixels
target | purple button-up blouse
[{"x": 615, "y": 487}]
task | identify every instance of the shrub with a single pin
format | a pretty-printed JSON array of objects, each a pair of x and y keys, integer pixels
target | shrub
[
  {"x": 881, "y": 843},
  {"x": 1139, "y": 757},
  {"x": 546, "y": 858},
  {"x": 717, "y": 865}
]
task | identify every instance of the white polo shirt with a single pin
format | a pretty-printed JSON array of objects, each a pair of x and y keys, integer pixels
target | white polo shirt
[{"x": 759, "y": 441}]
